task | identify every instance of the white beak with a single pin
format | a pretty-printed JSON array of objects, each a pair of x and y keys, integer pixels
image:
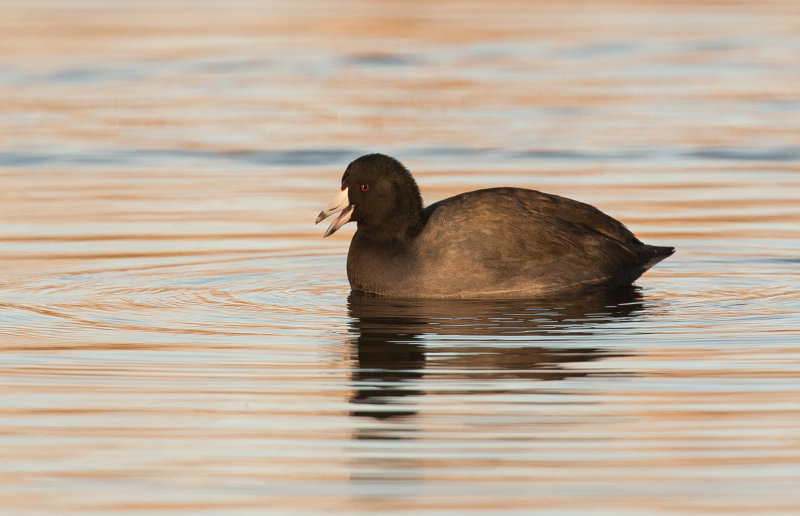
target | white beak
[{"x": 341, "y": 203}]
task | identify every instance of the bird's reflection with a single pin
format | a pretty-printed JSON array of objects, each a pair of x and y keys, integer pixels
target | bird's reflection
[{"x": 398, "y": 342}]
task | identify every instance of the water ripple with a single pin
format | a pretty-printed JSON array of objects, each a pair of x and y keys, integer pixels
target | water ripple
[
  {"x": 786, "y": 154},
  {"x": 174, "y": 301}
]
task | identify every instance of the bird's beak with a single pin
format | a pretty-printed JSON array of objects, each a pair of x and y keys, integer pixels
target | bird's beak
[{"x": 341, "y": 203}]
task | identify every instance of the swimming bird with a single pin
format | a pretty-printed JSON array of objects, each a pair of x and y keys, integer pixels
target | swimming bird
[{"x": 491, "y": 243}]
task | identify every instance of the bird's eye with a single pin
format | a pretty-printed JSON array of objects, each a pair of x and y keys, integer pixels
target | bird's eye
[{"x": 364, "y": 188}]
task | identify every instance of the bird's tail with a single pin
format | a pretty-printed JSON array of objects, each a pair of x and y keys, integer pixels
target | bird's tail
[{"x": 652, "y": 254}]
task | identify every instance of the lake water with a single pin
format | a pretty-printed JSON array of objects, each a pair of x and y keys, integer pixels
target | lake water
[{"x": 176, "y": 337}]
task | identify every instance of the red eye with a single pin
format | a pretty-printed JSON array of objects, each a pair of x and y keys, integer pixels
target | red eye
[{"x": 364, "y": 188}]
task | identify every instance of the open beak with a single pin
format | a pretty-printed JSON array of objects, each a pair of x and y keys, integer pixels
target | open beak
[{"x": 341, "y": 203}]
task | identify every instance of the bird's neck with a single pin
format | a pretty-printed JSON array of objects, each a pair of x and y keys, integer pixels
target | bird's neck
[{"x": 393, "y": 230}]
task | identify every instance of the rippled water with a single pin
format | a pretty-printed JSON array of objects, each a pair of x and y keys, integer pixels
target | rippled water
[{"x": 176, "y": 337}]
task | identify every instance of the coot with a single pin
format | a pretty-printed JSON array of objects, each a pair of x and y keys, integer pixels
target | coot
[{"x": 491, "y": 243}]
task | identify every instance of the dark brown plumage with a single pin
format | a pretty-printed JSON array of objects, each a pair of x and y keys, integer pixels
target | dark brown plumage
[{"x": 497, "y": 242}]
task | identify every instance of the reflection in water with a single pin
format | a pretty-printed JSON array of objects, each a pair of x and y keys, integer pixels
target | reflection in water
[{"x": 476, "y": 339}]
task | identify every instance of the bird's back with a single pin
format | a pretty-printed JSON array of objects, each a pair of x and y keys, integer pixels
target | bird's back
[{"x": 510, "y": 242}]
